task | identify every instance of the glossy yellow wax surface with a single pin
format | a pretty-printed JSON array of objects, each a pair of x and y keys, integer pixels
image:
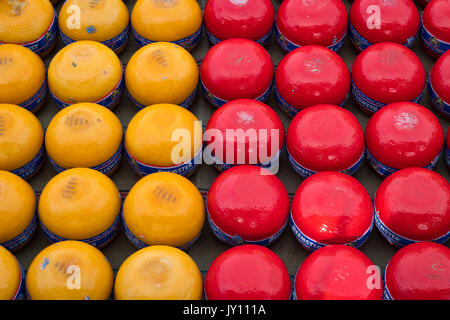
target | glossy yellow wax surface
[
  {"x": 22, "y": 74},
  {"x": 100, "y": 20},
  {"x": 161, "y": 72},
  {"x": 149, "y": 135},
  {"x": 166, "y": 20},
  {"x": 24, "y": 20},
  {"x": 17, "y": 205},
  {"x": 79, "y": 204},
  {"x": 21, "y": 136},
  {"x": 158, "y": 273},
  {"x": 9, "y": 274},
  {"x": 70, "y": 270},
  {"x": 164, "y": 208},
  {"x": 83, "y": 135},
  {"x": 84, "y": 71}
]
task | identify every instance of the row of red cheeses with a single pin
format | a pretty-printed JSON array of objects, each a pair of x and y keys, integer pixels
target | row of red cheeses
[
  {"x": 74, "y": 270},
  {"x": 297, "y": 23}
]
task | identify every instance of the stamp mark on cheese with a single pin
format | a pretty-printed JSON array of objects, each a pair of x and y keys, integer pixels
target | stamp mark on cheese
[
  {"x": 162, "y": 193},
  {"x": 405, "y": 120},
  {"x": 245, "y": 117},
  {"x": 77, "y": 122},
  {"x": 93, "y": 3},
  {"x": 2, "y": 125},
  {"x": 165, "y": 3},
  {"x": 6, "y": 60},
  {"x": 17, "y": 6},
  {"x": 157, "y": 270},
  {"x": 239, "y": 2},
  {"x": 160, "y": 58},
  {"x": 70, "y": 188}
]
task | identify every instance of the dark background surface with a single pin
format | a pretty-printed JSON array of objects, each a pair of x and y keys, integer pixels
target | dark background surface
[{"x": 208, "y": 247}]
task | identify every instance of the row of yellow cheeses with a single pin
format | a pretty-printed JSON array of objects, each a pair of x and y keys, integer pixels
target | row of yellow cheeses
[
  {"x": 106, "y": 21},
  {"x": 74, "y": 270},
  {"x": 91, "y": 136},
  {"x": 83, "y": 204},
  {"x": 88, "y": 71}
]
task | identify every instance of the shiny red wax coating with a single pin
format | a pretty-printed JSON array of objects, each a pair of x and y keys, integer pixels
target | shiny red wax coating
[
  {"x": 312, "y": 75},
  {"x": 248, "y": 19},
  {"x": 419, "y": 271},
  {"x": 415, "y": 204},
  {"x": 332, "y": 208},
  {"x": 325, "y": 138},
  {"x": 258, "y": 123},
  {"x": 244, "y": 202},
  {"x": 436, "y": 19},
  {"x": 247, "y": 272},
  {"x": 399, "y": 20},
  {"x": 389, "y": 72},
  {"x": 404, "y": 134},
  {"x": 440, "y": 77},
  {"x": 237, "y": 68},
  {"x": 320, "y": 22},
  {"x": 337, "y": 272}
]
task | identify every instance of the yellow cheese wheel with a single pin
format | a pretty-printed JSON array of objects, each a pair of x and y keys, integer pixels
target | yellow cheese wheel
[
  {"x": 17, "y": 211},
  {"x": 84, "y": 135},
  {"x": 85, "y": 71},
  {"x": 10, "y": 276},
  {"x": 166, "y": 20},
  {"x": 158, "y": 273},
  {"x": 31, "y": 23},
  {"x": 164, "y": 208},
  {"x": 80, "y": 204},
  {"x": 161, "y": 72},
  {"x": 22, "y": 76},
  {"x": 99, "y": 20},
  {"x": 149, "y": 142},
  {"x": 21, "y": 140},
  {"x": 70, "y": 270}
]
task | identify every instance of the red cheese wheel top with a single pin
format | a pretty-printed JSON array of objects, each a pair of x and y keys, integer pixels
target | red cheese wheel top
[
  {"x": 320, "y": 22},
  {"x": 337, "y": 272},
  {"x": 312, "y": 75},
  {"x": 399, "y": 20},
  {"x": 332, "y": 208},
  {"x": 415, "y": 204},
  {"x": 389, "y": 72},
  {"x": 247, "y": 272},
  {"x": 325, "y": 137},
  {"x": 440, "y": 77},
  {"x": 237, "y": 68},
  {"x": 245, "y": 116},
  {"x": 419, "y": 271},
  {"x": 404, "y": 134},
  {"x": 436, "y": 19},
  {"x": 242, "y": 201},
  {"x": 248, "y": 19}
]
